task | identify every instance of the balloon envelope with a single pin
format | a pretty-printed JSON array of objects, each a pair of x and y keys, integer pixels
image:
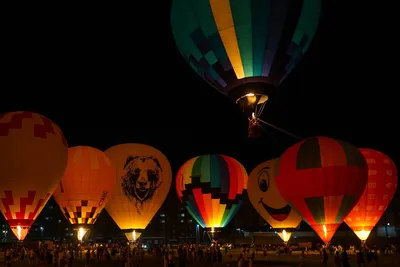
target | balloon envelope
[
  {"x": 379, "y": 192},
  {"x": 33, "y": 157},
  {"x": 234, "y": 45},
  {"x": 267, "y": 200},
  {"x": 322, "y": 178},
  {"x": 144, "y": 178},
  {"x": 86, "y": 186},
  {"x": 211, "y": 187}
]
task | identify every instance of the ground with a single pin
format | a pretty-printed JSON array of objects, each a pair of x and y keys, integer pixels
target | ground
[{"x": 273, "y": 260}]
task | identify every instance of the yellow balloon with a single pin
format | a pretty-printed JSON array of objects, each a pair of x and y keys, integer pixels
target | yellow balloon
[
  {"x": 144, "y": 178},
  {"x": 268, "y": 202}
]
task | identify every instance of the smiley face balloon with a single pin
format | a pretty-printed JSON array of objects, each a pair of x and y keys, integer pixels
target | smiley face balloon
[{"x": 268, "y": 202}]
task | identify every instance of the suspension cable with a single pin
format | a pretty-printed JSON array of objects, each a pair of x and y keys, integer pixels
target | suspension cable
[{"x": 280, "y": 129}]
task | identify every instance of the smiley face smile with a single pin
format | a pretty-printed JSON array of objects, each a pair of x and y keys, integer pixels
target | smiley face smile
[{"x": 277, "y": 214}]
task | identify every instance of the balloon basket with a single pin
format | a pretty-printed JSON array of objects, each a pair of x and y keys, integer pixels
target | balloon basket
[{"x": 255, "y": 129}]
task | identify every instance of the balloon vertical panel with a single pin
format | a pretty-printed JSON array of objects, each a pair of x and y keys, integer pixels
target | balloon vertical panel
[
  {"x": 379, "y": 192},
  {"x": 144, "y": 179},
  {"x": 86, "y": 186},
  {"x": 266, "y": 198},
  {"x": 33, "y": 157},
  {"x": 211, "y": 188}
]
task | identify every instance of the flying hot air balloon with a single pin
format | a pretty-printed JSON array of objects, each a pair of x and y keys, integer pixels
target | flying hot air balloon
[
  {"x": 322, "y": 179},
  {"x": 268, "y": 202},
  {"x": 144, "y": 178},
  {"x": 85, "y": 187},
  {"x": 211, "y": 188},
  {"x": 246, "y": 48},
  {"x": 33, "y": 157},
  {"x": 380, "y": 189}
]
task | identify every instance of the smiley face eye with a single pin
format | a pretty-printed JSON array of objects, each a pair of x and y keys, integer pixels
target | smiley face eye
[{"x": 263, "y": 179}]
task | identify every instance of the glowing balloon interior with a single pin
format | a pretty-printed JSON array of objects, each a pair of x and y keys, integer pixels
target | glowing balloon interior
[
  {"x": 268, "y": 202},
  {"x": 81, "y": 232},
  {"x": 144, "y": 178},
  {"x": 33, "y": 157},
  {"x": 132, "y": 236},
  {"x": 285, "y": 236},
  {"x": 322, "y": 179},
  {"x": 211, "y": 187},
  {"x": 379, "y": 192},
  {"x": 86, "y": 185}
]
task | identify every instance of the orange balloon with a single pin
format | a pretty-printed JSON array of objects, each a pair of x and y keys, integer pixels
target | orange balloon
[
  {"x": 379, "y": 192},
  {"x": 33, "y": 157},
  {"x": 86, "y": 185}
]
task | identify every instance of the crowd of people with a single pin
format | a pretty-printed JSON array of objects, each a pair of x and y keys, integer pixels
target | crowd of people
[
  {"x": 129, "y": 255},
  {"x": 364, "y": 256},
  {"x": 124, "y": 255}
]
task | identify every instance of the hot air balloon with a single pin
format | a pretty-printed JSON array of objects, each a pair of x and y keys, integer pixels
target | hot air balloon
[
  {"x": 268, "y": 202},
  {"x": 246, "y": 48},
  {"x": 144, "y": 178},
  {"x": 85, "y": 187},
  {"x": 322, "y": 179},
  {"x": 211, "y": 188},
  {"x": 380, "y": 189},
  {"x": 33, "y": 156}
]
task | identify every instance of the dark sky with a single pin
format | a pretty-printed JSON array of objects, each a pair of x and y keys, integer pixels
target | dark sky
[{"x": 112, "y": 74}]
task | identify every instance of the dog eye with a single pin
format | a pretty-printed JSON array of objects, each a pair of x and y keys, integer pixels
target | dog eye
[
  {"x": 263, "y": 180},
  {"x": 152, "y": 175}
]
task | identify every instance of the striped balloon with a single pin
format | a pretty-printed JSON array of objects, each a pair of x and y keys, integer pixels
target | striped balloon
[
  {"x": 211, "y": 187},
  {"x": 322, "y": 178},
  {"x": 234, "y": 43}
]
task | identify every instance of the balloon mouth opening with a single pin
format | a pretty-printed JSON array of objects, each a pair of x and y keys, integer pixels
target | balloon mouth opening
[
  {"x": 252, "y": 104},
  {"x": 280, "y": 214},
  {"x": 252, "y": 98},
  {"x": 362, "y": 235},
  {"x": 81, "y": 233},
  {"x": 284, "y": 235},
  {"x": 133, "y": 235},
  {"x": 20, "y": 231}
]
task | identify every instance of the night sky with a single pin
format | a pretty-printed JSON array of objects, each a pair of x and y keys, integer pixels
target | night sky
[{"x": 112, "y": 74}]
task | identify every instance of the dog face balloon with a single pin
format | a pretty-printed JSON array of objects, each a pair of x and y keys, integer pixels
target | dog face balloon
[
  {"x": 143, "y": 181},
  {"x": 267, "y": 200}
]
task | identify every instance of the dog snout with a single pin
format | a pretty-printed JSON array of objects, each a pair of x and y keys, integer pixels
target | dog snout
[{"x": 142, "y": 180}]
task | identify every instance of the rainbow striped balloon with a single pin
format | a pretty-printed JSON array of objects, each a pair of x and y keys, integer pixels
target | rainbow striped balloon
[{"x": 211, "y": 187}]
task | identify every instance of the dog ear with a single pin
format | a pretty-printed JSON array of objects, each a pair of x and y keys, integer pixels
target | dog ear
[
  {"x": 129, "y": 159},
  {"x": 156, "y": 161},
  {"x": 159, "y": 181}
]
